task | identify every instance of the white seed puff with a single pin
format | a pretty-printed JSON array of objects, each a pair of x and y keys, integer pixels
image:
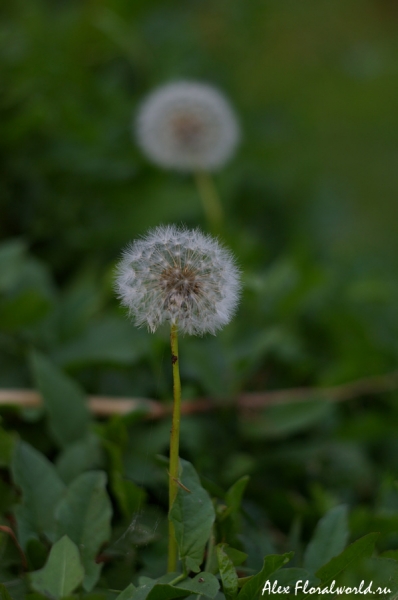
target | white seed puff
[
  {"x": 179, "y": 276},
  {"x": 187, "y": 126}
]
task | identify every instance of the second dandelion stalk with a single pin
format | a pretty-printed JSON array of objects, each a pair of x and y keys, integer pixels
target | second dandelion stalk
[
  {"x": 210, "y": 200},
  {"x": 174, "y": 445}
]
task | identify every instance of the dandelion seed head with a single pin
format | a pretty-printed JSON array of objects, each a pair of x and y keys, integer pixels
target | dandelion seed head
[
  {"x": 196, "y": 287},
  {"x": 187, "y": 126}
]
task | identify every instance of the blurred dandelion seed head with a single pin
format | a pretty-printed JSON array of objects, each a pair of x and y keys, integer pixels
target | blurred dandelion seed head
[
  {"x": 187, "y": 126},
  {"x": 179, "y": 276}
]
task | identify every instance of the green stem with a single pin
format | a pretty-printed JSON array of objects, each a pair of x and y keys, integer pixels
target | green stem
[
  {"x": 179, "y": 578},
  {"x": 210, "y": 200},
  {"x": 174, "y": 446}
]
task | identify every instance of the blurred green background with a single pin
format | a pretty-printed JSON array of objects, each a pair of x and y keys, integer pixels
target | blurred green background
[{"x": 311, "y": 214}]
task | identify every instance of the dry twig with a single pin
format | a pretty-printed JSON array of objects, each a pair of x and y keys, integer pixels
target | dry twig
[{"x": 104, "y": 406}]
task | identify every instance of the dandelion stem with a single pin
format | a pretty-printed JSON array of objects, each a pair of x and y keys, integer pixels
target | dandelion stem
[
  {"x": 174, "y": 445},
  {"x": 210, "y": 200}
]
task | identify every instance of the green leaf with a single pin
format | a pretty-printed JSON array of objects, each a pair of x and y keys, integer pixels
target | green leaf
[
  {"x": 203, "y": 584},
  {"x": 146, "y": 585},
  {"x": 228, "y": 574},
  {"x": 4, "y": 595},
  {"x": 84, "y": 514},
  {"x": 83, "y": 455},
  {"x": 127, "y": 594},
  {"x": 41, "y": 488},
  {"x": 62, "y": 573},
  {"x": 359, "y": 549},
  {"x": 64, "y": 401},
  {"x": 235, "y": 555},
  {"x": 253, "y": 588},
  {"x": 329, "y": 539},
  {"x": 193, "y": 516},
  {"x": 234, "y": 495}
]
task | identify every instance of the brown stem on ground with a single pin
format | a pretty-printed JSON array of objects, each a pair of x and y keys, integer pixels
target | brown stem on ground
[{"x": 104, "y": 406}]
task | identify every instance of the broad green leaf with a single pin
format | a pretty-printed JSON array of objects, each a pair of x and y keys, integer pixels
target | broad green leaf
[
  {"x": 253, "y": 588},
  {"x": 359, "y": 549},
  {"x": 84, "y": 514},
  {"x": 83, "y": 455},
  {"x": 41, "y": 488},
  {"x": 4, "y": 595},
  {"x": 329, "y": 539},
  {"x": 193, "y": 516},
  {"x": 64, "y": 401},
  {"x": 228, "y": 574},
  {"x": 127, "y": 594},
  {"x": 62, "y": 573}
]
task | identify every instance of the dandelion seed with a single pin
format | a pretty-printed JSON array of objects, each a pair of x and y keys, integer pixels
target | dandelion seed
[
  {"x": 196, "y": 286},
  {"x": 187, "y": 126}
]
